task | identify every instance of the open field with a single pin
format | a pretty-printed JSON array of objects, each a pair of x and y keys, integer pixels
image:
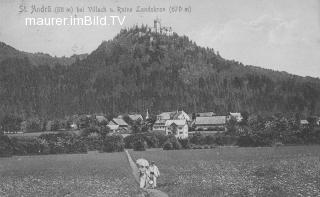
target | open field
[
  {"x": 226, "y": 171},
  {"x": 92, "y": 174}
]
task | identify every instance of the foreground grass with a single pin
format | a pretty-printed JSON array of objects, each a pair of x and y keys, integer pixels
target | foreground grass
[
  {"x": 93, "y": 174},
  {"x": 279, "y": 171}
]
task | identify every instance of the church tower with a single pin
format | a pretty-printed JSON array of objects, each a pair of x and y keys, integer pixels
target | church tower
[
  {"x": 147, "y": 115},
  {"x": 157, "y": 25}
]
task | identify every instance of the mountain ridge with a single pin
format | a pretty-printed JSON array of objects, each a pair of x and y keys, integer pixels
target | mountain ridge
[{"x": 140, "y": 69}]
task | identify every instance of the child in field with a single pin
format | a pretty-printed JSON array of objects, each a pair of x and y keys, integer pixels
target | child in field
[{"x": 154, "y": 174}]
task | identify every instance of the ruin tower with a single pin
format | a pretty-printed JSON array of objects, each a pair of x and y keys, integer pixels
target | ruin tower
[{"x": 157, "y": 25}]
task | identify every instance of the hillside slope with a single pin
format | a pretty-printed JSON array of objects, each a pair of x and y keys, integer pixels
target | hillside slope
[
  {"x": 139, "y": 70},
  {"x": 36, "y": 59}
]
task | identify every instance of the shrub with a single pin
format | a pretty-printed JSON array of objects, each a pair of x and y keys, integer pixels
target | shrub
[
  {"x": 152, "y": 141},
  {"x": 26, "y": 146},
  {"x": 167, "y": 146},
  {"x": 254, "y": 141},
  {"x": 209, "y": 139},
  {"x": 245, "y": 141},
  {"x": 185, "y": 143},
  {"x": 10, "y": 123},
  {"x": 277, "y": 144},
  {"x": 197, "y": 138},
  {"x": 222, "y": 139},
  {"x": 77, "y": 145},
  {"x": 113, "y": 143},
  {"x": 162, "y": 138},
  {"x": 213, "y": 146},
  {"x": 139, "y": 145},
  {"x": 93, "y": 142},
  {"x": 33, "y": 125},
  {"x": 88, "y": 131},
  {"x": 175, "y": 143},
  {"x": 5, "y": 146},
  {"x": 195, "y": 146},
  {"x": 64, "y": 143},
  {"x": 131, "y": 139},
  {"x": 262, "y": 140}
]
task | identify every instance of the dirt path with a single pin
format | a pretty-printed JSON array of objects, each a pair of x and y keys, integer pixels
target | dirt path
[{"x": 150, "y": 192}]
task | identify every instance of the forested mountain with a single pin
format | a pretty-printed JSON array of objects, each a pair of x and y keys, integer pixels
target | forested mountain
[
  {"x": 139, "y": 70},
  {"x": 37, "y": 59}
]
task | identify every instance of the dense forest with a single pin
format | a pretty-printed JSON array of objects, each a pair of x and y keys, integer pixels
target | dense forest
[{"x": 139, "y": 70}]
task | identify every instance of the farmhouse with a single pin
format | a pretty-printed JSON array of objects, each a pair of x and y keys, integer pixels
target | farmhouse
[
  {"x": 160, "y": 124},
  {"x": 304, "y": 122},
  {"x": 210, "y": 123},
  {"x": 135, "y": 117},
  {"x": 74, "y": 125},
  {"x": 101, "y": 119},
  {"x": 119, "y": 122},
  {"x": 180, "y": 115},
  {"x": 177, "y": 127},
  {"x": 236, "y": 115}
]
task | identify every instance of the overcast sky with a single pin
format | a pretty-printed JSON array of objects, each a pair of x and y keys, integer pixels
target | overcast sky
[{"x": 282, "y": 35}]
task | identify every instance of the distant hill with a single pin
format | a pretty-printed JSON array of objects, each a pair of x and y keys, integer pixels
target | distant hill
[
  {"x": 139, "y": 70},
  {"x": 37, "y": 59}
]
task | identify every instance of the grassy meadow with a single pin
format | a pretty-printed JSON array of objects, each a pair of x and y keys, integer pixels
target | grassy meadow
[
  {"x": 92, "y": 174},
  {"x": 223, "y": 171},
  {"x": 227, "y": 171}
]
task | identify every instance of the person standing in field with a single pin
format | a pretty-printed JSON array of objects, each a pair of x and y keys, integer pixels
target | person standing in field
[
  {"x": 154, "y": 174},
  {"x": 143, "y": 176}
]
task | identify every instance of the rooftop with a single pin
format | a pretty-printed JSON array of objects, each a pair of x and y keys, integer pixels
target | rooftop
[{"x": 212, "y": 120}]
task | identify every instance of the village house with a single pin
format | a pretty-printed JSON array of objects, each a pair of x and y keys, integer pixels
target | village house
[
  {"x": 211, "y": 123},
  {"x": 179, "y": 128},
  {"x": 136, "y": 117},
  {"x": 180, "y": 115},
  {"x": 304, "y": 122},
  {"x": 74, "y": 126},
  {"x": 101, "y": 118},
  {"x": 160, "y": 124},
  {"x": 117, "y": 124},
  {"x": 236, "y": 115}
]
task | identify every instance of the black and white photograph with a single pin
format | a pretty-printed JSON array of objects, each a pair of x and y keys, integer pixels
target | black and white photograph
[{"x": 150, "y": 98}]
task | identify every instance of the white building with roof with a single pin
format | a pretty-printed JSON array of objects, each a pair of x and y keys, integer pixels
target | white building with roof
[
  {"x": 235, "y": 115},
  {"x": 119, "y": 122},
  {"x": 160, "y": 124}
]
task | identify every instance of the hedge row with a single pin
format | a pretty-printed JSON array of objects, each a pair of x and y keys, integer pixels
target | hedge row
[
  {"x": 152, "y": 140},
  {"x": 113, "y": 143},
  {"x": 60, "y": 143},
  {"x": 44, "y": 144}
]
